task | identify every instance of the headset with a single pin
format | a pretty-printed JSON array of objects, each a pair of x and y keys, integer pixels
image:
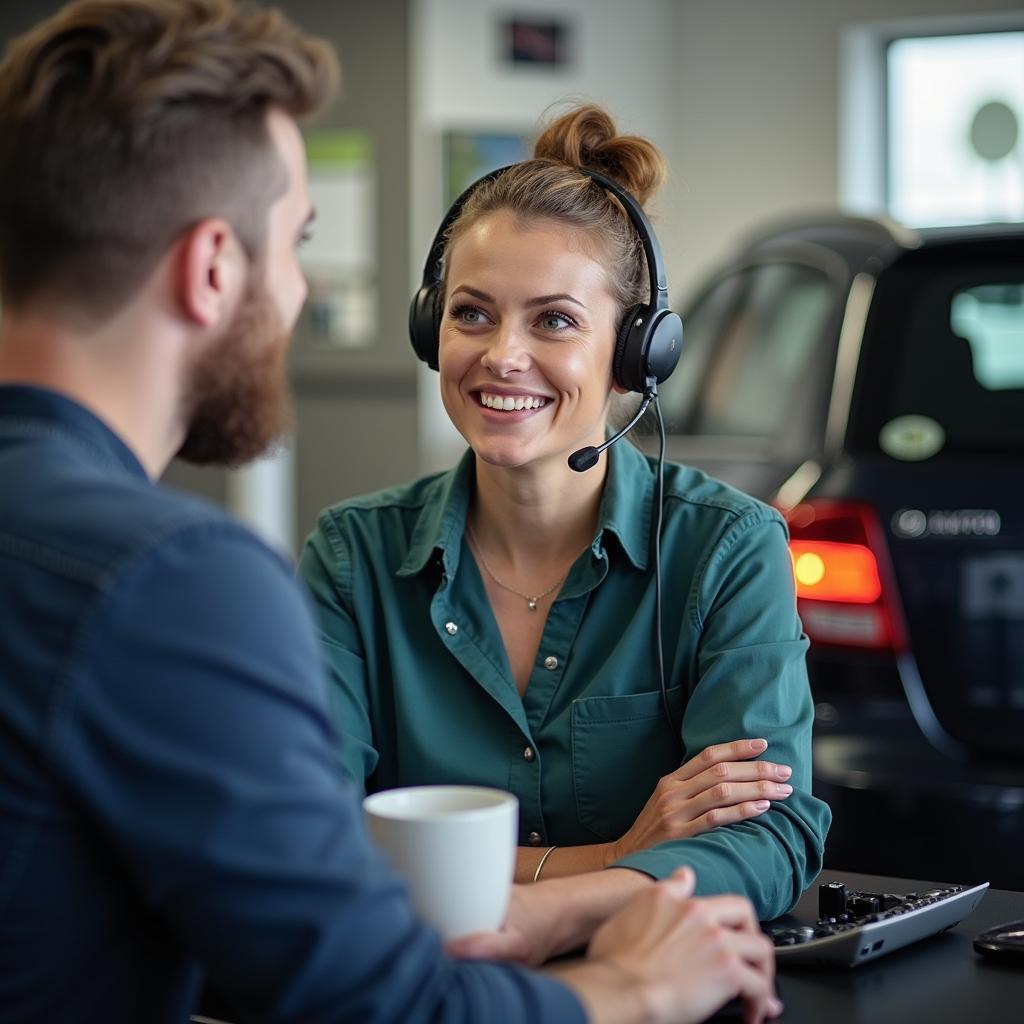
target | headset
[
  {"x": 649, "y": 340},
  {"x": 648, "y": 344}
]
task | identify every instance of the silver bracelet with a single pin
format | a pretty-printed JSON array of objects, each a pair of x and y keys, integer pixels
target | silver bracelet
[{"x": 547, "y": 853}]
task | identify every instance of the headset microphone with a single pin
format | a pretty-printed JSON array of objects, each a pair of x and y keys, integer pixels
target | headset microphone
[{"x": 586, "y": 458}]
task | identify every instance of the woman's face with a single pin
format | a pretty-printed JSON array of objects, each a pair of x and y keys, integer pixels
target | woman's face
[{"x": 527, "y": 337}]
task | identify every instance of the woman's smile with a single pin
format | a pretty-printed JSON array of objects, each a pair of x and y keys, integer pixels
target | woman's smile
[{"x": 509, "y": 403}]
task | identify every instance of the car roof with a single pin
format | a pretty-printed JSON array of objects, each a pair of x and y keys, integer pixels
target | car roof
[
  {"x": 843, "y": 232},
  {"x": 833, "y": 230},
  {"x": 832, "y": 239},
  {"x": 971, "y": 232}
]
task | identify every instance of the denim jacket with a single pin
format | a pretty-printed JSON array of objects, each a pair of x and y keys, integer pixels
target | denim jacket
[{"x": 171, "y": 807}]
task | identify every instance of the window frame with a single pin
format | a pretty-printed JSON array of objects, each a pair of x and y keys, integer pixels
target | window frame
[
  {"x": 887, "y": 43},
  {"x": 864, "y": 176}
]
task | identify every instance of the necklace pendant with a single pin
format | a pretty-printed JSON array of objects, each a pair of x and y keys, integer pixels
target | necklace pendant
[{"x": 531, "y": 603}]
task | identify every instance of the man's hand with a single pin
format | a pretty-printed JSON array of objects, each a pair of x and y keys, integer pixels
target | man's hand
[
  {"x": 660, "y": 957},
  {"x": 683, "y": 958}
]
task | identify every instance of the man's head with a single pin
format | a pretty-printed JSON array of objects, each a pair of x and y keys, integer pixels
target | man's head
[
  {"x": 236, "y": 402},
  {"x": 128, "y": 125}
]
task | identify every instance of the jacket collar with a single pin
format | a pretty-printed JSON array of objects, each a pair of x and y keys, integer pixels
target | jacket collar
[{"x": 29, "y": 410}]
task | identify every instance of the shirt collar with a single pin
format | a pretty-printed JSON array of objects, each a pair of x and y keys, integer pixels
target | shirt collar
[
  {"x": 443, "y": 519},
  {"x": 25, "y": 408},
  {"x": 627, "y": 502},
  {"x": 625, "y": 512}
]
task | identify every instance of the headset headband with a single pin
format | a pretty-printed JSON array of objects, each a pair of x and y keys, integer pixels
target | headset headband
[{"x": 634, "y": 211}]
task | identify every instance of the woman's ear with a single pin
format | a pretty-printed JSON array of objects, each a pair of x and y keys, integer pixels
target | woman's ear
[{"x": 210, "y": 270}]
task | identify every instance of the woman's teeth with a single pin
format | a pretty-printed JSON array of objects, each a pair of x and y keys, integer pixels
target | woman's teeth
[{"x": 509, "y": 404}]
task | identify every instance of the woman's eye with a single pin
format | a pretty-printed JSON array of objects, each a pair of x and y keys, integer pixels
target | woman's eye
[
  {"x": 555, "y": 321},
  {"x": 468, "y": 315}
]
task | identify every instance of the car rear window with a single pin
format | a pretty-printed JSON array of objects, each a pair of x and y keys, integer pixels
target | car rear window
[
  {"x": 942, "y": 371},
  {"x": 990, "y": 317},
  {"x": 748, "y": 349}
]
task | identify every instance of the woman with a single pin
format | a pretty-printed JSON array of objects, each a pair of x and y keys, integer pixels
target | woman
[{"x": 493, "y": 624}]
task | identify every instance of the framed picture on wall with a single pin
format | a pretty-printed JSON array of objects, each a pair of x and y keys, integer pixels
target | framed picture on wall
[
  {"x": 535, "y": 42},
  {"x": 470, "y": 154},
  {"x": 340, "y": 258}
]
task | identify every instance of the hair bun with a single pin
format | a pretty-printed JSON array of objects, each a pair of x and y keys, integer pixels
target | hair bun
[{"x": 586, "y": 137}]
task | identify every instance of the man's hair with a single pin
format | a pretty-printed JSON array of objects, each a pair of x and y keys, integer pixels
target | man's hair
[{"x": 125, "y": 122}]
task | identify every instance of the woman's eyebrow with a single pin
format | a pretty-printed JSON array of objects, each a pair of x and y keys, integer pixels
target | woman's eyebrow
[
  {"x": 475, "y": 292},
  {"x": 541, "y": 300}
]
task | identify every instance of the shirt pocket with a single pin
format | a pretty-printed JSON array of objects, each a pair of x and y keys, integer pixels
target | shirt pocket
[{"x": 621, "y": 747}]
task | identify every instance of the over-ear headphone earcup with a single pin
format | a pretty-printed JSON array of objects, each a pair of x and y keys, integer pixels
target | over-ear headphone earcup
[
  {"x": 425, "y": 323},
  {"x": 648, "y": 345},
  {"x": 665, "y": 345},
  {"x": 623, "y": 373}
]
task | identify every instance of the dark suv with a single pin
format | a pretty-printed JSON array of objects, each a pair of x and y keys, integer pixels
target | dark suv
[{"x": 869, "y": 381}]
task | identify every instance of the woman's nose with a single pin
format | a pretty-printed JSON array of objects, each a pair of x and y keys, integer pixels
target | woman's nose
[{"x": 507, "y": 351}]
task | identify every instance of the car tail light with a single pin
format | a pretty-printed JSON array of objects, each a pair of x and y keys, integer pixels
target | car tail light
[{"x": 845, "y": 587}]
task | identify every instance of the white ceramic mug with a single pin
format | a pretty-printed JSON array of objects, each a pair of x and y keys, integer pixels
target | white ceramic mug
[{"x": 455, "y": 846}]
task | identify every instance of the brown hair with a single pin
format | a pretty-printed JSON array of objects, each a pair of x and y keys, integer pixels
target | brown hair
[
  {"x": 550, "y": 186},
  {"x": 123, "y": 122}
]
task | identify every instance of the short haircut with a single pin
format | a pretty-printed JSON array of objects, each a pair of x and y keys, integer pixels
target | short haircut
[{"x": 125, "y": 122}]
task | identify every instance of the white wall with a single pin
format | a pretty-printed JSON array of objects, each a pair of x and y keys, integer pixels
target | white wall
[
  {"x": 757, "y": 90},
  {"x": 624, "y": 59},
  {"x": 262, "y": 494}
]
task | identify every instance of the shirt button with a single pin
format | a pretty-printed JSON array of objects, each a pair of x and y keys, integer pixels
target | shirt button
[
  {"x": 528, "y": 754},
  {"x": 451, "y": 628},
  {"x": 551, "y": 663},
  {"x": 534, "y": 839}
]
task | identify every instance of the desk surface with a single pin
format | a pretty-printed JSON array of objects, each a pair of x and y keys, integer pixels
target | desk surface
[{"x": 939, "y": 980}]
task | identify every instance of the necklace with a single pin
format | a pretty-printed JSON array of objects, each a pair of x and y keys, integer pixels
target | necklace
[{"x": 531, "y": 602}]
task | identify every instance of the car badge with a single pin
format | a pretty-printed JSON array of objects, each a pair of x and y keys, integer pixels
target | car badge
[
  {"x": 912, "y": 438},
  {"x": 914, "y": 523}
]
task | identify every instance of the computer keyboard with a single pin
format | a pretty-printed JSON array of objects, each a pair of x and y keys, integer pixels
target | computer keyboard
[{"x": 854, "y": 927}]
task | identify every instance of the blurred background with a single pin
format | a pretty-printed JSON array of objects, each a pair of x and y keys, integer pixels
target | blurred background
[{"x": 762, "y": 107}]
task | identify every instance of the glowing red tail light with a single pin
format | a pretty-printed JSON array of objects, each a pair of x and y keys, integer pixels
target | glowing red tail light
[
  {"x": 829, "y": 571},
  {"x": 845, "y": 587}
]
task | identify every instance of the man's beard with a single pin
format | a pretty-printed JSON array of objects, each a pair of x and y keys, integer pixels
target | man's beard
[{"x": 237, "y": 406}]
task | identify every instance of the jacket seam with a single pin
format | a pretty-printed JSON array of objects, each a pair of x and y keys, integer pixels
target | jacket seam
[
  {"x": 342, "y": 575},
  {"x": 46, "y": 557},
  {"x": 738, "y": 528}
]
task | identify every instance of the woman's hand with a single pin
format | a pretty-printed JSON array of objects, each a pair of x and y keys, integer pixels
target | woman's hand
[
  {"x": 553, "y": 917},
  {"x": 719, "y": 786},
  {"x": 526, "y": 936}
]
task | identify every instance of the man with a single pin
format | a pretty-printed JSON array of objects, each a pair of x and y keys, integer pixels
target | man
[{"x": 170, "y": 807}]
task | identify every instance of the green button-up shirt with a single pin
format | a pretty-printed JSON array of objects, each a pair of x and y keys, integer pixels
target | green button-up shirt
[{"x": 423, "y": 691}]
